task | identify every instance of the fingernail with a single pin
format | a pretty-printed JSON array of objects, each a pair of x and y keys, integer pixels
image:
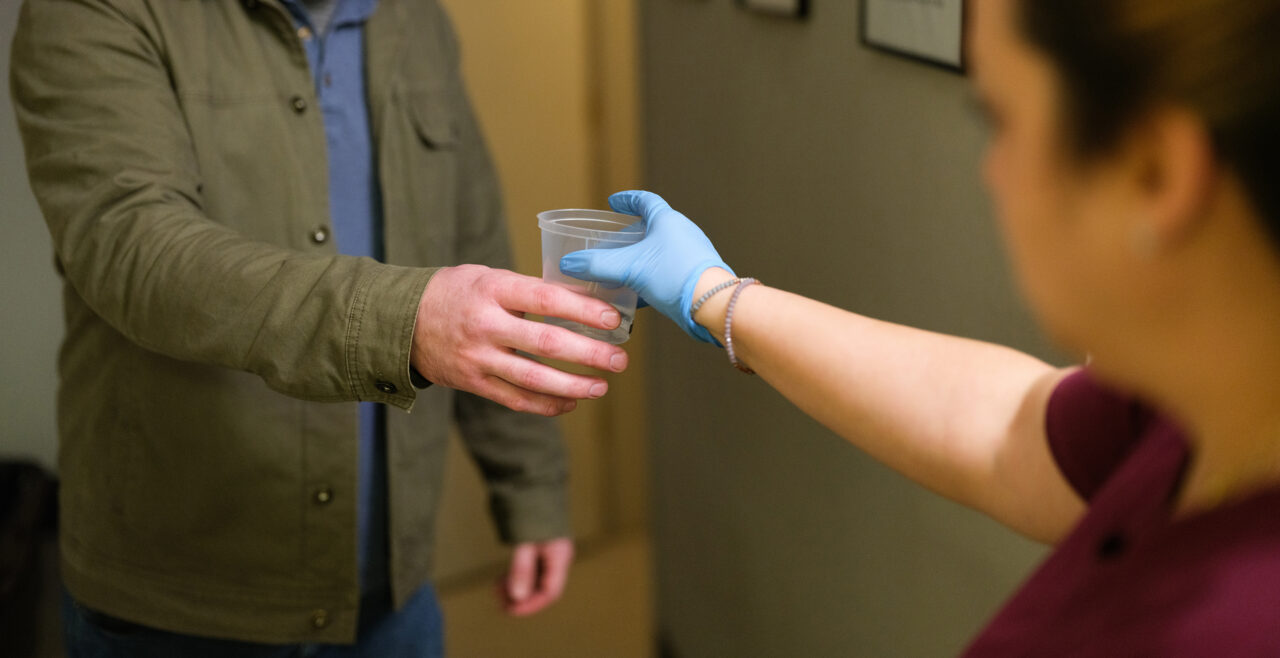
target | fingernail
[
  {"x": 569, "y": 406},
  {"x": 520, "y": 592},
  {"x": 597, "y": 390},
  {"x": 610, "y": 319},
  {"x": 618, "y": 362}
]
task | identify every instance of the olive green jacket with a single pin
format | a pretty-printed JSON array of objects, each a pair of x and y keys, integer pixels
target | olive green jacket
[{"x": 215, "y": 339}]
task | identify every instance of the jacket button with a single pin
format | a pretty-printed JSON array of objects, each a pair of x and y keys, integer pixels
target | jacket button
[
  {"x": 299, "y": 104},
  {"x": 320, "y": 618},
  {"x": 323, "y": 495},
  {"x": 320, "y": 235},
  {"x": 386, "y": 387}
]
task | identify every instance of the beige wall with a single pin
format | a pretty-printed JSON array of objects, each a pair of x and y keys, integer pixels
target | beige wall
[
  {"x": 848, "y": 175},
  {"x": 30, "y": 302}
]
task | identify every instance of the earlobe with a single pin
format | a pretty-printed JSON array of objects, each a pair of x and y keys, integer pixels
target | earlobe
[{"x": 1144, "y": 240}]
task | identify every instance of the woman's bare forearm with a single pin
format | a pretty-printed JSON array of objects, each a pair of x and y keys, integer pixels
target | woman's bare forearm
[{"x": 962, "y": 417}]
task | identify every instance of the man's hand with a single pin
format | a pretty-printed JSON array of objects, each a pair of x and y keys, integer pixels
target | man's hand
[
  {"x": 471, "y": 322},
  {"x": 537, "y": 576}
]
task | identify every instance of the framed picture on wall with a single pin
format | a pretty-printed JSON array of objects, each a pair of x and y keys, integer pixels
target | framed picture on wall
[
  {"x": 789, "y": 8},
  {"x": 931, "y": 31}
]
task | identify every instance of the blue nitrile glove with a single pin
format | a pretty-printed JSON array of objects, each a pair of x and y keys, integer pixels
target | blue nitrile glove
[{"x": 663, "y": 268}]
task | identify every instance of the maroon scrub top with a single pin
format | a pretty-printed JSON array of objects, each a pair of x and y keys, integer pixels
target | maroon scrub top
[{"x": 1129, "y": 580}]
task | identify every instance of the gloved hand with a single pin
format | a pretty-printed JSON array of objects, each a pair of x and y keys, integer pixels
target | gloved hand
[{"x": 663, "y": 268}]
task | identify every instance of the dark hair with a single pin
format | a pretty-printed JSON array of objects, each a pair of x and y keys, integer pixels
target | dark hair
[{"x": 1220, "y": 59}]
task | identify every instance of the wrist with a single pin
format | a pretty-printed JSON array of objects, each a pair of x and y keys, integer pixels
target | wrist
[{"x": 711, "y": 314}]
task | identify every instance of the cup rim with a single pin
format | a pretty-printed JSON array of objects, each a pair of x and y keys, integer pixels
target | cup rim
[{"x": 549, "y": 221}]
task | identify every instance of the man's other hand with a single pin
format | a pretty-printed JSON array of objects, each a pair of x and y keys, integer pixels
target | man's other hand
[{"x": 537, "y": 576}]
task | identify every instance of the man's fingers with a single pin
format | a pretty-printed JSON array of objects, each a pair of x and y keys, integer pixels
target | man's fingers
[
  {"x": 519, "y": 399},
  {"x": 556, "y": 558},
  {"x": 537, "y": 378},
  {"x": 532, "y": 605},
  {"x": 558, "y": 343},
  {"x": 530, "y": 295},
  {"x": 523, "y": 573}
]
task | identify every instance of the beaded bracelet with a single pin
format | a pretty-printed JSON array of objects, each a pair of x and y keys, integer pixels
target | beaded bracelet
[
  {"x": 693, "y": 310},
  {"x": 728, "y": 325}
]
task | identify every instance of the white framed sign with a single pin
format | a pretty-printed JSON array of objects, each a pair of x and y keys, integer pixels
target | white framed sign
[{"x": 928, "y": 30}]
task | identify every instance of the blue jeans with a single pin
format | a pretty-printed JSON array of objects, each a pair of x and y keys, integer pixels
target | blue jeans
[{"x": 417, "y": 631}]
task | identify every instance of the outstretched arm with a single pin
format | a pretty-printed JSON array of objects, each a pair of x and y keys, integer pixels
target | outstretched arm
[{"x": 962, "y": 417}]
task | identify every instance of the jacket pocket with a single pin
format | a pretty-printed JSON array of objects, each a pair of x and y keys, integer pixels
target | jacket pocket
[
  {"x": 421, "y": 167},
  {"x": 434, "y": 119}
]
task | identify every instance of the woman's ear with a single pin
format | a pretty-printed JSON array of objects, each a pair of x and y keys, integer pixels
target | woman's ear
[{"x": 1177, "y": 176}]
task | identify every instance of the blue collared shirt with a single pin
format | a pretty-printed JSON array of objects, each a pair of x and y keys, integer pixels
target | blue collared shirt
[{"x": 355, "y": 207}]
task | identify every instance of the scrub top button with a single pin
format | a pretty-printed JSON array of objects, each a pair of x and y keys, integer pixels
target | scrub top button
[{"x": 1112, "y": 546}]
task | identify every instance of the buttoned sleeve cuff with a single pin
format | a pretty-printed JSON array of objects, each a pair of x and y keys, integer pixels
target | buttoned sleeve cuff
[
  {"x": 379, "y": 339},
  {"x": 532, "y": 514}
]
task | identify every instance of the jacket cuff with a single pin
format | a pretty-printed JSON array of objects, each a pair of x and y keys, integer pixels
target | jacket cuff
[
  {"x": 535, "y": 514},
  {"x": 379, "y": 338}
]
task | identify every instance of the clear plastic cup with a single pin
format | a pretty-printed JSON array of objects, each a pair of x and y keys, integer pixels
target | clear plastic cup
[{"x": 566, "y": 231}]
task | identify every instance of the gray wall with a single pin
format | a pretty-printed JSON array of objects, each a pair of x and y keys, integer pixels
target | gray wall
[
  {"x": 30, "y": 303},
  {"x": 851, "y": 176}
]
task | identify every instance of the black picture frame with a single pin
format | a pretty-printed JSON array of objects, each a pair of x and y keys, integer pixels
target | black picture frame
[
  {"x": 798, "y": 9},
  {"x": 902, "y": 48}
]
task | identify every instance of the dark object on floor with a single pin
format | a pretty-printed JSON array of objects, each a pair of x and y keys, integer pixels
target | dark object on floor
[{"x": 28, "y": 524}]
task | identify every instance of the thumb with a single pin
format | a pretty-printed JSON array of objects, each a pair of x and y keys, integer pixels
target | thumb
[{"x": 609, "y": 266}]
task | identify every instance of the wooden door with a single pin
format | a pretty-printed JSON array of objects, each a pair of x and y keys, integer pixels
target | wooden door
[{"x": 553, "y": 83}]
